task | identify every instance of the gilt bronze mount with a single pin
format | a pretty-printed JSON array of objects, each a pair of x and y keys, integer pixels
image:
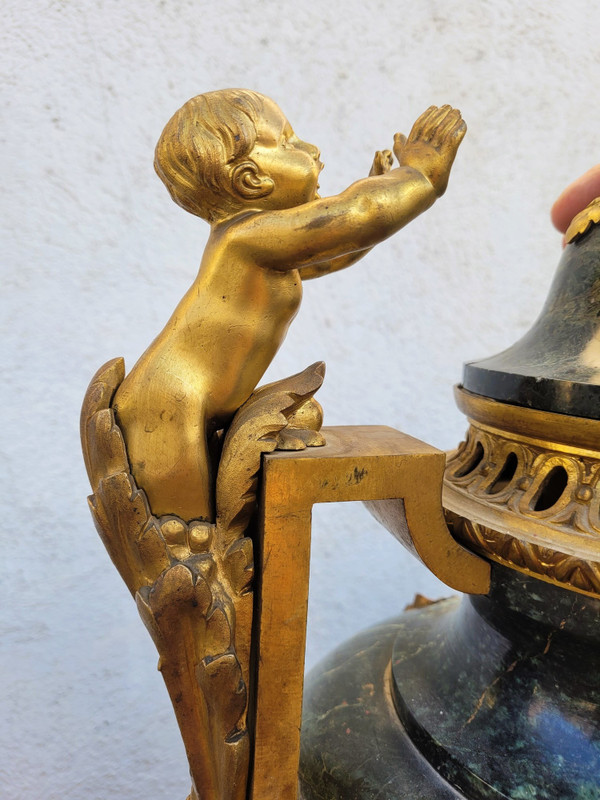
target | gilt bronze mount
[{"x": 203, "y": 484}]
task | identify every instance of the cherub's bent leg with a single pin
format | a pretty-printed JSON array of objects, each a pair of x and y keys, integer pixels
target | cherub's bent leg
[
  {"x": 171, "y": 463},
  {"x": 186, "y": 489}
]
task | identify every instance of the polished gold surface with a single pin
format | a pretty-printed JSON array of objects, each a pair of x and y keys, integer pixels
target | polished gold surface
[
  {"x": 517, "y": 492},
  {"x": 583, "y": 221},
  {"x": 232, "y": 158}
]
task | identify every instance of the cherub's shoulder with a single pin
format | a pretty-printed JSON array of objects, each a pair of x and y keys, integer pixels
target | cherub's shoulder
[
  {"x": 237, "y": 235},
  {"x": 236, "y": 225}
]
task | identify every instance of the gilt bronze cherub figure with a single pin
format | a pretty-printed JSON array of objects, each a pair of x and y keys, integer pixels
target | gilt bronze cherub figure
[
  {"x": 173, "y": 449},
  {"x": 232, "y": 158}
]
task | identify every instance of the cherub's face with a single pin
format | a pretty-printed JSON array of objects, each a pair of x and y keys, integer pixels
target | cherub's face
[{"x": 292, "y": 165}]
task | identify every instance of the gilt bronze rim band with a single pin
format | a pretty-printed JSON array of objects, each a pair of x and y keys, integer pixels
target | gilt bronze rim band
[{"x": 560, "y": 429}]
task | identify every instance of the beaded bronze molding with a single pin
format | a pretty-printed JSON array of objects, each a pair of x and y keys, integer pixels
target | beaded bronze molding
[{"x": 529, "y": 503}]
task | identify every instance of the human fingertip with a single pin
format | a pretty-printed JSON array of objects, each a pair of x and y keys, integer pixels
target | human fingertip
[{"x": 575, "y": 198}]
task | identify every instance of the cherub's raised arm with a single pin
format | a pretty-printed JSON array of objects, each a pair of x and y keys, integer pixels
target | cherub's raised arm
[
  {"x": 321, "y": 268},
  {"x": 382, "y": 163},
  {"x": 370, "y": 210}
]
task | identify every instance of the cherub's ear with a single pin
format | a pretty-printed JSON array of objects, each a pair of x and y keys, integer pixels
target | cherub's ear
[{"x": 249, "y": 182}]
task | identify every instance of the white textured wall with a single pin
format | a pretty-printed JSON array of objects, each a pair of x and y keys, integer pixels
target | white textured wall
[{"x": 95, "y": 256}]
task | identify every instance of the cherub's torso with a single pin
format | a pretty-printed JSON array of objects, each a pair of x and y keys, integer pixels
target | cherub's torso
[{"x": 220, "y": 339}]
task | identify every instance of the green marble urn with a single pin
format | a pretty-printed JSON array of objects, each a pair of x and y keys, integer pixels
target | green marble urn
[{"x": 496, "y": 695}]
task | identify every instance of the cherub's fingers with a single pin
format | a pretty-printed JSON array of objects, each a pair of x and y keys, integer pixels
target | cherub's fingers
[
  {"x": 459, "y": 130},
  {"x": 399, "y": 144},
  {"x": 435, "y": 122},
  {"x": 455, "y": 135},
  {"x": 449, "y": 127},
  {"x": 388, "y": 159},
  {"x": 421, "y": 121},
  {"x": 382, "y": 162},
  {"x": 452, "y": 115},
  {"x": 376, "y": 165}
]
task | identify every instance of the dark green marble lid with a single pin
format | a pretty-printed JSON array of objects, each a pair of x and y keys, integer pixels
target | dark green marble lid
[{"x": 556, "y": 365}]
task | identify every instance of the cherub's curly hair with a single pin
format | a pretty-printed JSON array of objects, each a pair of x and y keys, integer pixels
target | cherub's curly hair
[{"x": 208, "y": 133}]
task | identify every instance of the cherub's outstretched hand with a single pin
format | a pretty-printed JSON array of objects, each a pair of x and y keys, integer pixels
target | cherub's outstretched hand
[
  {"x": 432, "y": 144},
  {"x": 382, "y": 162}
]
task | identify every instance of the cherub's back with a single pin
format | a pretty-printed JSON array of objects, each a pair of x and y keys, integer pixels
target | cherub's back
[{"x": 202, "y": 367}]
